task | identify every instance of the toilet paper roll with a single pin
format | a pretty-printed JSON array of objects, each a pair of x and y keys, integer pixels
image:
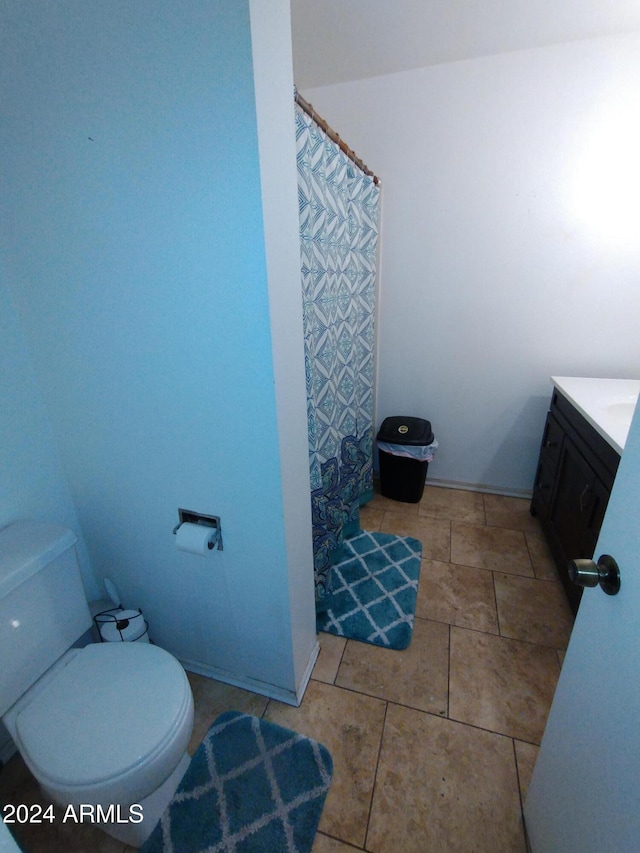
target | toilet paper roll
[
  {"x": 124, "y": 626},
  {"x": 196, "y": 538}
]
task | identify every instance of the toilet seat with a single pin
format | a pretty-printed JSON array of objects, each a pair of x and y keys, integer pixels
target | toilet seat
[{"x": 108, "y": 724}]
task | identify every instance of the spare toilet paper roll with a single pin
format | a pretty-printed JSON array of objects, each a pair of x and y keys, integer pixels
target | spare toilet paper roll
[
  {"x": 125, "y": 626},
  {"x": 196, "y": 538}
]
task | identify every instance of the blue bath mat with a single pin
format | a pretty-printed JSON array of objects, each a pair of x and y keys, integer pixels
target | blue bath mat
[
  {"x": 251, "y": 787},
  {"x": 374, "y": 590}
]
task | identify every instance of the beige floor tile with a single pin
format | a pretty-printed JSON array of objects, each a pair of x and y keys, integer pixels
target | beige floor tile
[
  {"x": 443, "y": 786},
  {"x": 324, "y": 844},
  {"x": 371, "y": 517},
  {"x": 502, "y": 685},
  {"x": 452, "y": 504},
  {"x": 211, "y": 698},
  {"x": 458, "y": 595},
  {"x": 526, "y": 754},
  {"x": 389, "y": 505},
  {"x": 434, "y": 533},
  {"x": 490, "y": 548},
  {"x": 533, "y": 610},
  {"x": 350, "y": 726},
  {"x": 502, "y": 511},
  {"x": 544, "y": 566},
  {"x": 416, "y": 676},
  {"x": 328, "y": 661},
  {"x": 13, "y": 774}
]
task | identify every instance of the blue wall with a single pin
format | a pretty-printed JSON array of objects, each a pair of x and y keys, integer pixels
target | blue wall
[
  {"x": 136, "y": 258},
  {"x": 32, "y": 481}
]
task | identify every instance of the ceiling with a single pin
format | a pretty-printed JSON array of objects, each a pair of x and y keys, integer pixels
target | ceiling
[{"x": 339, "y": 40}]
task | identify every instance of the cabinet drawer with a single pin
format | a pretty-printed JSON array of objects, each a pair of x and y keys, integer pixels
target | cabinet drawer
[
  {"x": 551, "y": 443},
  {"x": 542, "y": 491}
]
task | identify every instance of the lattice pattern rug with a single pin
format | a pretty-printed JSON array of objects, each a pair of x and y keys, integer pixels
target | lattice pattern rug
[
  {"x": 374, "y": 590},
  {"x": 251, "y": 787}
]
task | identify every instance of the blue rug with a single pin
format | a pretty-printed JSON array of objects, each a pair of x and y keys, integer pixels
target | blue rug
[
  {"x": 374, "y": 590},
  {"x": 251, "y": 787}
]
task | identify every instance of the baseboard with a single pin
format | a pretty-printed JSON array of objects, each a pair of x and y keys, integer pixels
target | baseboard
[
  {"x": 478, "y": 487},
  {"x": 264, "y": 688},
  {"x": 481, "y": 487},
  {"x": 313, "y": 657}
]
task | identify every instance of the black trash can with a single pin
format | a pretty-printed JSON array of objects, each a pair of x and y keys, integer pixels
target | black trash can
[{"x": 402, "y": 472}]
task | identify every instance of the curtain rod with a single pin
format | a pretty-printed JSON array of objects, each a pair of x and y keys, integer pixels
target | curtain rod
[{"x": 331, "y": 133}]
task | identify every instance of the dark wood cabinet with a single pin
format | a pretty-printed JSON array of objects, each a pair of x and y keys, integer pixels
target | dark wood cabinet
[{"x": 574, "y": 478}]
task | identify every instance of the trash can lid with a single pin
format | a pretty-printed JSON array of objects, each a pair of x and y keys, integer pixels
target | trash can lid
[{"x": 405, "y": 430}]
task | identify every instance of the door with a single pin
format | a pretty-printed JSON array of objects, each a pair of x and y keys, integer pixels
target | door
[{"x": 584, "y": 795}]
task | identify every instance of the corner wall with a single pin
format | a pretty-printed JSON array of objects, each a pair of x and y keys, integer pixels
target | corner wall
[{"x": 273, "y": 78}]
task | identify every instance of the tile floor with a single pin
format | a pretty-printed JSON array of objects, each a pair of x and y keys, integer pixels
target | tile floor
[{"x": 433, "y": 747}]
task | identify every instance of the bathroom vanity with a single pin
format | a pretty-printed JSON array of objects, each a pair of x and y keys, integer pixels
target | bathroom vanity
[{"x": 584, "y": 436}]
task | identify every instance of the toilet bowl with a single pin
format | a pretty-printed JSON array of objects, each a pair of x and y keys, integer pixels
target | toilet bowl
[{"x": 106, "y": 725}]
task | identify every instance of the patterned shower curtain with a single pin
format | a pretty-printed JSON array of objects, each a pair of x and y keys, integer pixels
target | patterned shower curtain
[{"x": 338, "y": 206}]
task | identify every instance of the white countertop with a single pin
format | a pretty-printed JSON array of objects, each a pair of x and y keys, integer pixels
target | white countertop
[{"x": 607, "y": 404}]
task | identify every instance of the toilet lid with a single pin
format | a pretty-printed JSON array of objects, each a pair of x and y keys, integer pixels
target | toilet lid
[{"x": 107, "y": 711}]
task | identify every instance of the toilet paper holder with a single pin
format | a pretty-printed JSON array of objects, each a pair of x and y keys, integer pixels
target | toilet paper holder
[{"x": 190, "y": 517}]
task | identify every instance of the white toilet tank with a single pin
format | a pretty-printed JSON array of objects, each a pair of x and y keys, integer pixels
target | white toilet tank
[{"x": 43, "y": 609}]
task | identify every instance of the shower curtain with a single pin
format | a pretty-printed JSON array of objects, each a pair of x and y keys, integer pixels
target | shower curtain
[{"x": 338, "y": 206}]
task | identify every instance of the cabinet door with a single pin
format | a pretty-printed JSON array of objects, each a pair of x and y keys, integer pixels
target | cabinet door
[{"x": 579, "y": 504}]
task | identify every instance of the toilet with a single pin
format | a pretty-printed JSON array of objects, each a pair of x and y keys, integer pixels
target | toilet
[{"x": 104, "y": 727}]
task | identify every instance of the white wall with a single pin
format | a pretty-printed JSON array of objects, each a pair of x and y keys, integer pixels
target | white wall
[
  {"x": 136, "y": 258},
  {"x": 497, "y": 268}
]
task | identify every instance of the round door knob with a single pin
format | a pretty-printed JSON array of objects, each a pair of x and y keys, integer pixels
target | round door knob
[{"x": 605, "y": 573}]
